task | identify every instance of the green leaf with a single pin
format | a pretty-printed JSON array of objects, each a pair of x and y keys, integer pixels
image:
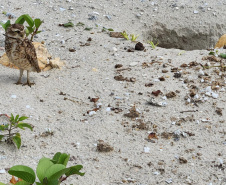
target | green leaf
[
  {"x": 1, "y": 137},
  {"x": 16, "y": 118},
  {"x": 17, "y": 140},
  {"x": 20, "y": 20},
  {"x": 88, "y": 29},
  {"x": 12, "y": 118},
  {"x": 30, "y": 29},
  {"x": 38, "y": 22},
  {"x": 75, "y": 170},
  {"x": 80, "y": 24},
  {"x": 223, "y": 55},
  {"x": 6, "y": 25},
  {"x": 69, "y": 24},
  {"x": 63, "y": 159},
  {"x": 22, "y": 183},
  {"x": 23, "y": 172},
  {"x": 38, "y": 32},
  {"x": 2, "y": 183},
  {"x": 56, "y": 171},
  {"x": 22, "y": 125},
  {"x": 42, "y": 167},
  {"x": 22, "y": 118},
  {"x": 56, "y": 157},
  {"x": 110, "y": 29},
  {"x": 24, "y": 18},
  {"x": 212, "y": 53}
]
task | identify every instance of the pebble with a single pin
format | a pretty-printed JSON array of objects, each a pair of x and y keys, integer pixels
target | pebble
[
  {"x": 196, "y": 11},
  {"x": 13, "y": 96},
  {"x": 2, "y": 171},
  {"x": 133, "y": 64},
  {"x": 146, "y": 150},
  {"x": 169, "y": 181}
]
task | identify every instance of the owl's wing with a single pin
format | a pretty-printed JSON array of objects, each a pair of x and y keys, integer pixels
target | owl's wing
[{"x": 31, "y": 54}]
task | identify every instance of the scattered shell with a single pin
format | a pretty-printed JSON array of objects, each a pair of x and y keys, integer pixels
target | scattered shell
[
  {"x": 146, "y": 150},
  {"x": 158, "y": 104}
]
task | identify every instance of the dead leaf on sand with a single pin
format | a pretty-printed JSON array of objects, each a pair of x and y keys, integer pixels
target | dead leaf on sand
[
  {"x": 221, "y": 42},
  {"x": 104, "y": 147}
]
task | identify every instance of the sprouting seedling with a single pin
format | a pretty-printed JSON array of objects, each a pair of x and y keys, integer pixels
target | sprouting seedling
[
  {"x": 32, "y": 28},
  {"x": 152, "y": 44},
  {"x": 10, "y": 125},
  {"x": 125, "y": 35},
  {"x": 134, "y": 37},
  {"x": 180, "y": 53}
]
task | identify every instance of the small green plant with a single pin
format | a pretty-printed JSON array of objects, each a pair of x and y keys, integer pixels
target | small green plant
[
  {"x": 32, "y": 28},
  {"x": 68, "y": 24},
  {"x": 152, "y": 44},
  {"x": 12, "y": 123},
  {"x": 134, "y": 37},
  {"x": 49, "y": 171},
  {"x": 125, "y": 35},
  {"x": 106, "y": 29}
]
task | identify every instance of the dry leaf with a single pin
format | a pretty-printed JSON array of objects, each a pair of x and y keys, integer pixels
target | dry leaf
[
  {"x": 221, "y": 42},
  {"x": 14, "y": 181},
  {"x": 152, "y": 135}
]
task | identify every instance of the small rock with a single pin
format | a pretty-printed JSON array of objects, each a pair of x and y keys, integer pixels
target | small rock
[
  {"x": 139, "y": 46},
  {"x": 133, "y": 64},
  {"x": 104, "y": 147}
]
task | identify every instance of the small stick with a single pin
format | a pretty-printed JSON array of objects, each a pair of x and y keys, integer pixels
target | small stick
[{"x": 189, "y": 111}]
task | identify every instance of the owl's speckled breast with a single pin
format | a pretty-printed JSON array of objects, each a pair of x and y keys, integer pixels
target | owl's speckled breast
[{"x": 15, "y": 51}]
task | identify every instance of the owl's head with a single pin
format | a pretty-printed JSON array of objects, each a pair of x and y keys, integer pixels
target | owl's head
[{"x": 15, "y": 31}]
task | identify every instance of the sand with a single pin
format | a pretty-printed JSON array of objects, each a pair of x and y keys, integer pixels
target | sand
[{"x": 182, "y": 147}]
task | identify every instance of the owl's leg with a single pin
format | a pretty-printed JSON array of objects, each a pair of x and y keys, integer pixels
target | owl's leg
[
  {"x": 21, "y": 74},
  {"x": 28, "y": 81}
]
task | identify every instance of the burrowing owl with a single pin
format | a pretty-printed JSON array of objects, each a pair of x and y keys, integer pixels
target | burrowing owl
[{"x": 21, "y": 51}]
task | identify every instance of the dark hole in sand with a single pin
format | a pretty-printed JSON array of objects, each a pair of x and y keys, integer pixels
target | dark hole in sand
[{"x": 183, "y": 38}]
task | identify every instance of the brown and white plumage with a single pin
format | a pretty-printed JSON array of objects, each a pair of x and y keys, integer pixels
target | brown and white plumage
[{"x": 20, "y": 51}]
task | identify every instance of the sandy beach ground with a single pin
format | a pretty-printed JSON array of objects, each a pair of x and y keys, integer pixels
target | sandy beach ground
[{"x": 181, "y": 139}]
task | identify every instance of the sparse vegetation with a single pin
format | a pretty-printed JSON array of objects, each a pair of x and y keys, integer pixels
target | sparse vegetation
[
  {"x": 10, "y": 125},
  {"x": 49, "y": 171},
  {"x": 32, "y": 28}
]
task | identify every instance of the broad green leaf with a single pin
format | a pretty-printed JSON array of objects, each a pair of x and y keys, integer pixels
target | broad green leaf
[
  {"x": 75, "y": 170},
  {"x": 56, "y": 171},
  {"x": 20, "y": 20},
  {"x": 29, "y": 20},
  {"x": 38, "y": 22},
  {"x": 56, "y": 157},
  {"x": 223, "y": 55},
  {"x": 38, "y": 183},
  {"x": 22, "y": 118},
  {"x": 1, "y": 136},
  {"x": 38, "y": 32},
  {"x": 17, "y": 140},
  {"x": 43, "y": 165},
  {"x": 22, "y": 125},
  {"x": 63, "y": 159},
  {"x": 23, "y": 172},
  {"x": 22, "y": 183},
  {"x": 2, "y": 183}
]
